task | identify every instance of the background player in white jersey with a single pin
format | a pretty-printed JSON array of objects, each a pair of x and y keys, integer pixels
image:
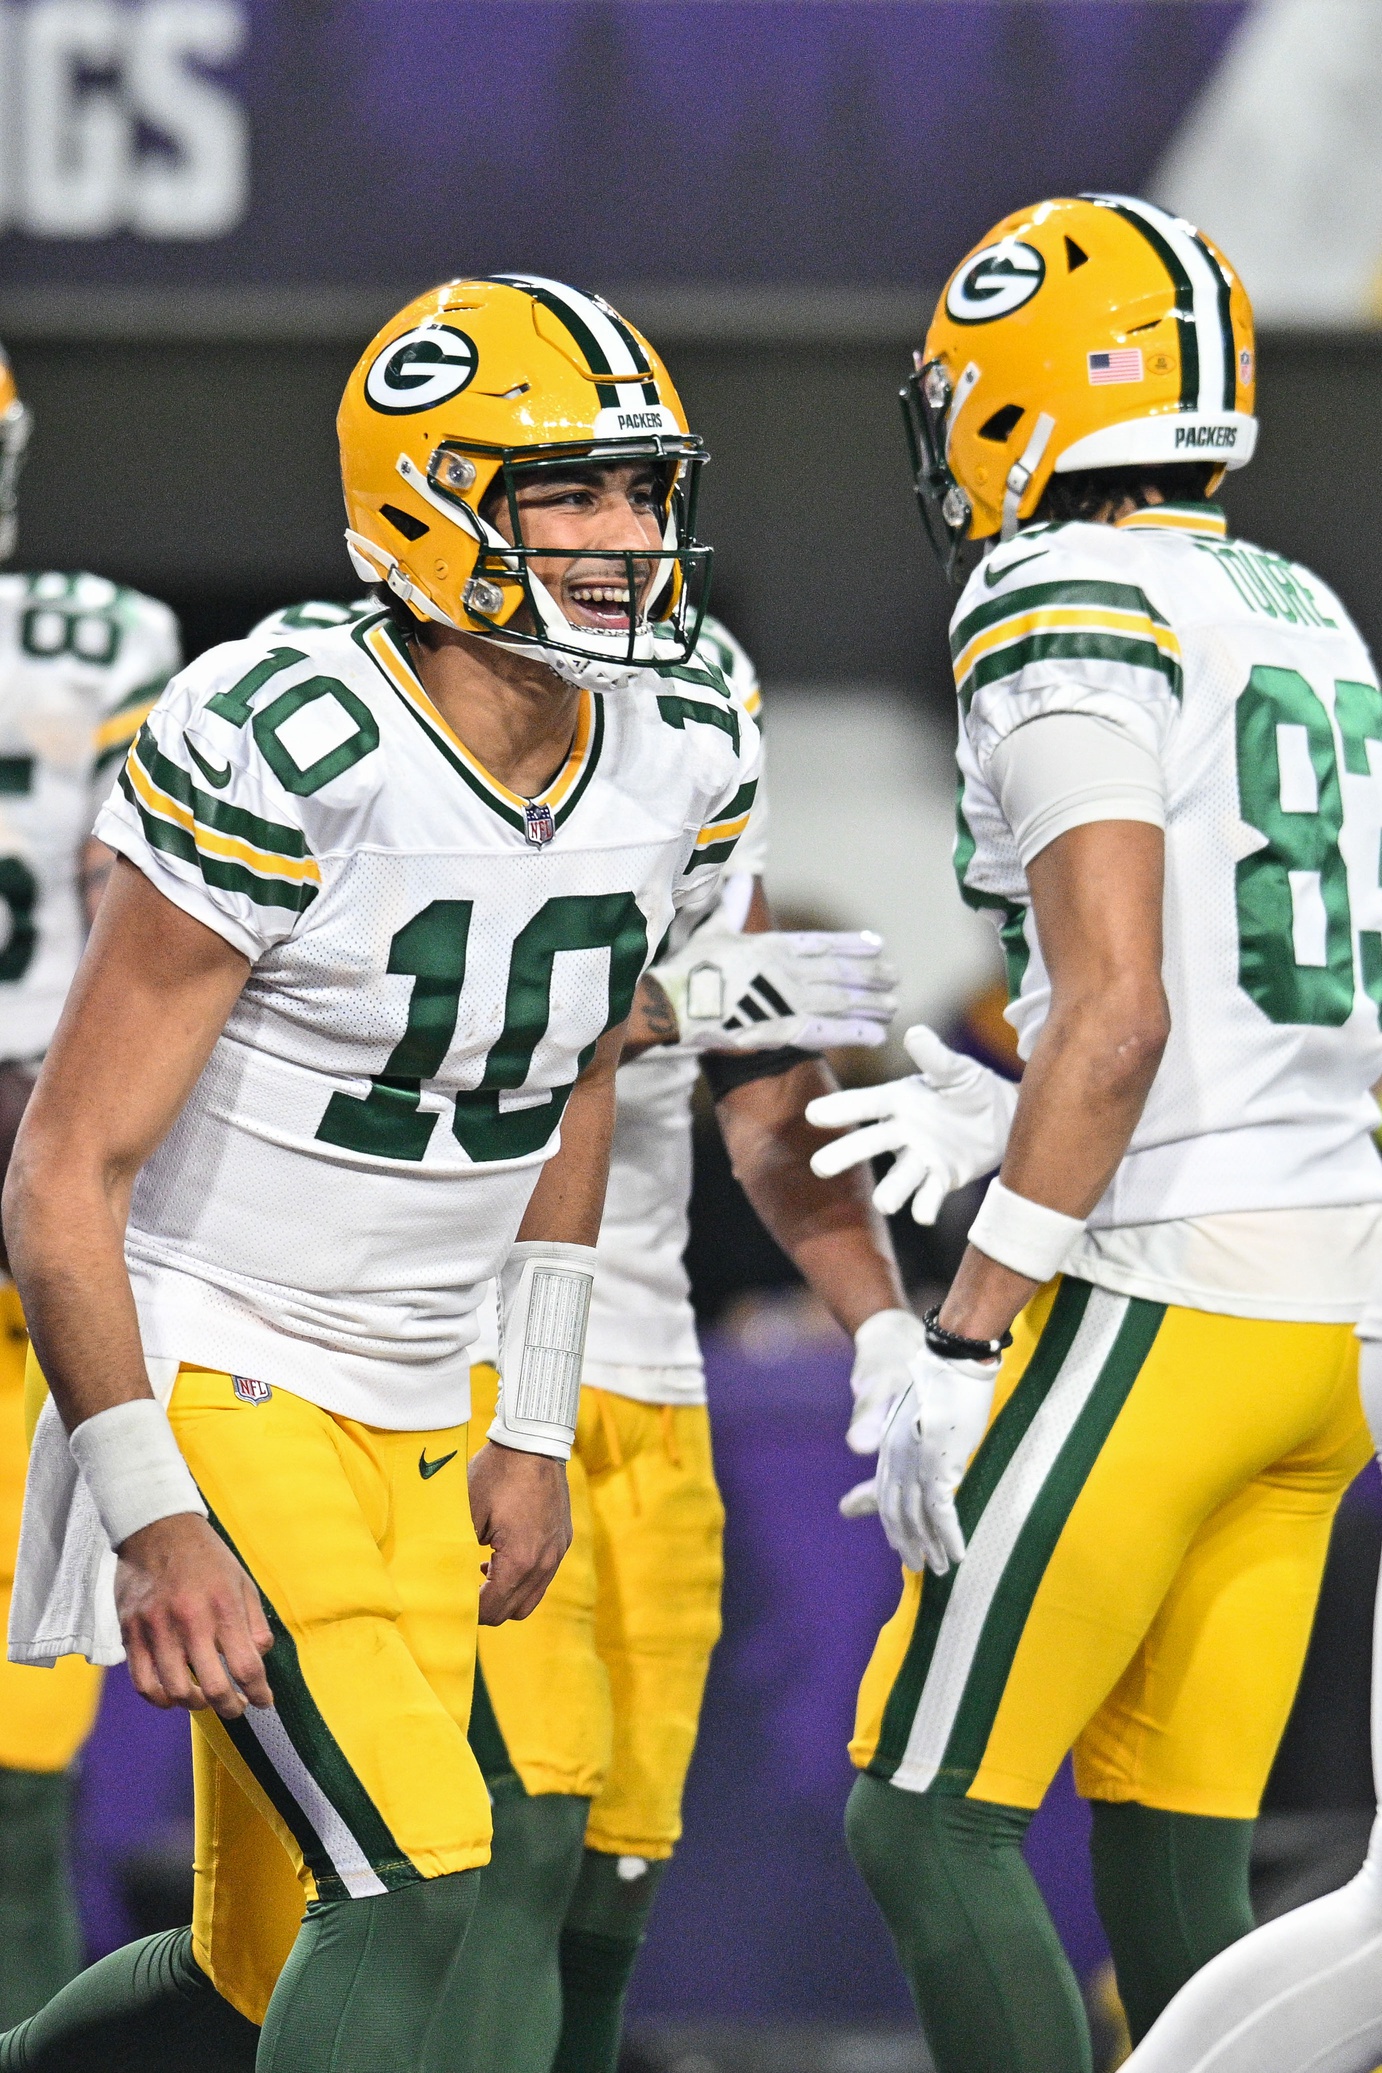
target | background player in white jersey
[
  {"x": 1167, "y": 800},
  {"x": 586, "y": 1714},
  {"x": 384, "y": 896},
  {"x": 81, "y": 662}
]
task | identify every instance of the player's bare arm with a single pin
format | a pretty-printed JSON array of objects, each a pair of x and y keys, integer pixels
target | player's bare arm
[
  {"x": 148, "y": 1004},
  {"x": 521, "y": 1502},
  {"x": 829, "y": 1230},
  {"x": 1097, "y": 898}
]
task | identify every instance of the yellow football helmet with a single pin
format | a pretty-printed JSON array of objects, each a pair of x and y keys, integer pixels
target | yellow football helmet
[
  {"x": 15, "y": 426},
  {"x": 473, "y": 382},
  {"x": 1096, "y": 332}
]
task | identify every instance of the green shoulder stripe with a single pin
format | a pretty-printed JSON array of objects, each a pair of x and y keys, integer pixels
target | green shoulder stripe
[
  {"x": 715, "y": 853},
  {"x": 677, "y": 712},
  {"x": 701, "y": 672},
  {"x": 739, "y": 804},
  {"x": 218, "y": 871},
  {"x": 1038, "y": 597},
  {"x": 214, "y": 813},
  {"x": 1006, "y": 661}
]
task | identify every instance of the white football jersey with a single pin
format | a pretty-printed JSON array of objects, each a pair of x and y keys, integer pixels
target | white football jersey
[
  {"x": 433, "y": 960},
  {"x": 81, "y": 663},
  {"x": 1245, "y": 675}
]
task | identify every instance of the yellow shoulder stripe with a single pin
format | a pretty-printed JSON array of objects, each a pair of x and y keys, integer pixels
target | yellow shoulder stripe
[{"x": 265, "y": 861}]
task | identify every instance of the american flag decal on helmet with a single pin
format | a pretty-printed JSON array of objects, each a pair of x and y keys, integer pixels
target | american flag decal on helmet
[
  {"x": 1123, "y": 364},
  {"x": 249, "y": 1390},
  {"x": 538, "y": 825}
]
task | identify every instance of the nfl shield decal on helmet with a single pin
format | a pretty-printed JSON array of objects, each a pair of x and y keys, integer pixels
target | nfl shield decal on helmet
[
  {"x": 249, "y": 1390},
  {"x": 538, "y": 825}
]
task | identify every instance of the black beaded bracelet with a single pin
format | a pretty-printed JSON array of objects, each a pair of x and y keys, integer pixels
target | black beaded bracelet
[{"x": 954, "y": 1346}]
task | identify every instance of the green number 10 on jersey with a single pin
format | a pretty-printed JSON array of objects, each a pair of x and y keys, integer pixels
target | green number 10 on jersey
[{"x": 390, "y": 1123}]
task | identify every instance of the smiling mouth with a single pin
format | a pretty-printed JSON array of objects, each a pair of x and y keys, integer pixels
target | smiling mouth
[{"x": 600, "y": 604}]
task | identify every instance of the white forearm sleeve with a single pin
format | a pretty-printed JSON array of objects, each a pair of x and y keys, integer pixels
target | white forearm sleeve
[
  {"x": 544, "y": 1301},
  {"x": 1066, "y": 769},
  {"x": 133, "y": 1467},
  {"x": 1022, "y": 1234}
]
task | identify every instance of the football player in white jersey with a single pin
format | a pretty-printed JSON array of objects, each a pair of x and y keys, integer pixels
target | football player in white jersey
[
  {"x": 1168, "y": 800},
  {"x": 81, "y": 663},
  {"x": 342, "y": 1049},
  {"x": 586, "y": 1714}
]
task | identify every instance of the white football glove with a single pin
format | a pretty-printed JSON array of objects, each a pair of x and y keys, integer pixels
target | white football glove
[
  {"x": 883, "y": 1348},
  {"x": 948, "y": 1124},
  {"x": 812, "y": 988},
  {"x": 925, "y": 1451}
]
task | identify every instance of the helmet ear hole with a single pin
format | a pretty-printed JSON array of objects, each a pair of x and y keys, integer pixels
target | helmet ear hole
[
  {"x": 1001, "y": 426},
  {"x": 403, "y": 522},
  {"x": 1075, "y": 255}
]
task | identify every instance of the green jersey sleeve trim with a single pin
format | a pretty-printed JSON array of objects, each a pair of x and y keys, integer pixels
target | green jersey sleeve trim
[{"x": 1072, "y": 621}]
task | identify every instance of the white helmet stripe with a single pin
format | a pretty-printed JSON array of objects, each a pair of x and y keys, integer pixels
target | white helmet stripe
[
  {"x": 1185, "y": 255},
  {"x": 622, "y": 361}
]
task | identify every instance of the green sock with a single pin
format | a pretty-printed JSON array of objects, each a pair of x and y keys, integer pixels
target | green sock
[
  {"x": 503, "y": 2000},
  {"x": 40, "y": 1940},
  {"x": 146, "y": 2009},
  {"x": 993, "y": 1987},
  {"x": 1172, "y": 1891},
  {"x": 365, "y": 1983},
  {"x": 604, "y": 1926}
]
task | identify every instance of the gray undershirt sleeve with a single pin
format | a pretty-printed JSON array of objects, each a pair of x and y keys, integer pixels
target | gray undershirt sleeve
[{"x": 1066, "y": 769}]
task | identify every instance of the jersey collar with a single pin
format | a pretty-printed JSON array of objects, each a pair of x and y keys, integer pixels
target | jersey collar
[
  {"x": 385, "y": 646},
  {"x": 1205, "y": 519}
]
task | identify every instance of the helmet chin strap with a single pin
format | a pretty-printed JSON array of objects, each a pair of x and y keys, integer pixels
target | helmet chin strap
[
  {"x": 604, "y": 663},
  {"x": 1022, "y": 471}
]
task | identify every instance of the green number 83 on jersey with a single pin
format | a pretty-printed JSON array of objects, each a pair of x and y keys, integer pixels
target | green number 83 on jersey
[
  {"x": 1295, "y": 927},
  {"x": 390, "y": 1123}
]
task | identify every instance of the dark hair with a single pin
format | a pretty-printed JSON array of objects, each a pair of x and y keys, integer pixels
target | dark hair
[{"x": 1083, "y": 495}]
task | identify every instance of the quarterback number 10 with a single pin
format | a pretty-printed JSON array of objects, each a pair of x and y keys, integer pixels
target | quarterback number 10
[
  {"x": 1295, "y": 928},
  {"x": 390, "y": 1122}
]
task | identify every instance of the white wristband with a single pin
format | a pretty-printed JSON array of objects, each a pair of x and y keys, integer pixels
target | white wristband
[
  {"x": 544, "y": 1300},
  {"x": 1022, "y": 1234},
  {"x": 133, "y": 1467}
]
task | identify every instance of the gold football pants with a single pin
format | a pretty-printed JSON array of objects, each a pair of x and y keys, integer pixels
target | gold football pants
[
  {"x": 45, "y": 1715},
  {"x": 360, "y": 1778},
  {"x": 1147, "y": 1522},
  {"x": 598, "y": 1693}
]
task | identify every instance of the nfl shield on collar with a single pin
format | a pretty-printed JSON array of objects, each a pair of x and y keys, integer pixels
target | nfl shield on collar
[{"x": 538, "y": 824}]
